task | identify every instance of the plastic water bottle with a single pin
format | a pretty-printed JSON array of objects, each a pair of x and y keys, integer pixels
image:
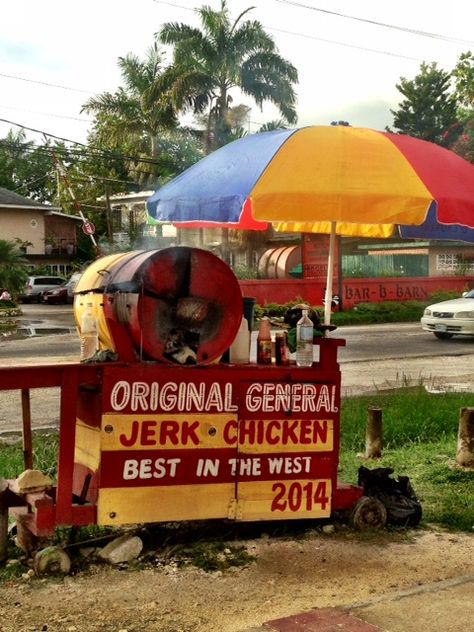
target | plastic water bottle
[
  {"x": 240, "y": 348},
  {"x": 89, "y": 333},
  {"x": 304, "y": 340}
]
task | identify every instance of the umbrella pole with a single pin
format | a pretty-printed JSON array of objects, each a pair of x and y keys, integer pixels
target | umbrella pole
[{"x": 328, "y": 295}]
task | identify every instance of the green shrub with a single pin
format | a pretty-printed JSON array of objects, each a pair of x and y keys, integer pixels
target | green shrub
[
  {"x": 361, "y": 314},
  {"x": 444, "y": 295},
  {"x": 277, "y": 310},
  {"x": 4, "y": 304},
  {"x": 245, "y": 272}
]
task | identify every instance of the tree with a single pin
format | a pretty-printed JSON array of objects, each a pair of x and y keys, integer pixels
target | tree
[
  {"x": 462, "y": 136},
  {"x": 227, "y": 54},
  {"x": 25, "y": 167},
  {"x": 134, "y": 116},
  {"x": 463, "y": 74},
  {"x": 273, "y": 125},
  {"x": 428, "y": 109},
  {"x": 13, "y": 270}
]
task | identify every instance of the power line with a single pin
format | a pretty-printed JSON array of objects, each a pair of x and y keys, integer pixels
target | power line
[
  {"x": 346, "y": 45},
  {"x": 51, "y": 174},
  {"x": 45, "y": 83},
  {"x": 375, "y": 23},
  {"x": 25, "y": 185},
  {"x": 88, "y": 178},
  {"x": 104, "y": 153},
  {"x": 173, "y": 4},
  {"x": 39, "y": 131},
  {"x": 63, "y": 116},
  {"x": 329, "y": 41},
  {"x": 67, "y": 152}
]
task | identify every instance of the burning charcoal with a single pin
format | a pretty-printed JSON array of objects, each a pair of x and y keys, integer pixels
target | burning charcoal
[{"x": 192, "y": 311}]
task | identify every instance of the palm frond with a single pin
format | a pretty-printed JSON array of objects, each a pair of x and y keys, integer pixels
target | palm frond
[{"x": 225, "y": 54}]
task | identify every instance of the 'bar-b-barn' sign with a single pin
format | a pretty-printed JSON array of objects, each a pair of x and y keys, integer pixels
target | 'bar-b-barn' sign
[{"x": 216, "y": 445}]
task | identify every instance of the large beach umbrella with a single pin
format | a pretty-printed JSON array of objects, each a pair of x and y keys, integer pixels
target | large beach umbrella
[{"x": 341, "y": 180}]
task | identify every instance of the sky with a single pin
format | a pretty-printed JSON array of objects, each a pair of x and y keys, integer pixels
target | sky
[{"x": 55, "y": 54}]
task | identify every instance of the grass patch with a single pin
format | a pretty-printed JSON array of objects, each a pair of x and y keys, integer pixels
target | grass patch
[
  {"x": 445, "y": 492},
  {"x": 411, "y": 415},
  {"x": 420, "y": 441},
  {"x": 45, "y": 451}
]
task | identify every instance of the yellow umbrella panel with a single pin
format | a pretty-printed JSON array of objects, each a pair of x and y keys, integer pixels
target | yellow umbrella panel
[{"x": 359, "y": 178}]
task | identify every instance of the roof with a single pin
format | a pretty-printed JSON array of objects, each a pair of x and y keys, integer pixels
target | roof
[
  {"x": 65, "y": 215},
  {"x": 138, "y": 196},
  {"x": 12, "y": 199}
]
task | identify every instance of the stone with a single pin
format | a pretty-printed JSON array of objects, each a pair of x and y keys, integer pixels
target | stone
[
  {"x": 31, "y": 481},
  {"x": 123, "y": 549}
]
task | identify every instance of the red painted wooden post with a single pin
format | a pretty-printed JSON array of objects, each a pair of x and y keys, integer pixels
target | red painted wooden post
[
  {"x": 27, "y": 436},
  {"x": 67, "y": 438}
]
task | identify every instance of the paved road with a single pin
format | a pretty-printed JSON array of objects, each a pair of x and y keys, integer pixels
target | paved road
[
  {"x": 363, "y": 343},
  {"x": 376, "y": 357},
  {"x": 399, "y": 340}
]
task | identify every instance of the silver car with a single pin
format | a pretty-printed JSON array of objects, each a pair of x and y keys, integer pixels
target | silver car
[
  {"x": 450, "y": 318},
  {"x": 36, "y": 285}
]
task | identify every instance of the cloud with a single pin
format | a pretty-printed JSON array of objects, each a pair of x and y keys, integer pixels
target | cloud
[
  {"x": 17, "y": 52},
  {"x": 374, "y": 114}
]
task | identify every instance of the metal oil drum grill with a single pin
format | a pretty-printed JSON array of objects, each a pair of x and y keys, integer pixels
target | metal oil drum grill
[
  {"x": 177, "y": 305},
  {"x": 167, "y": 432}
]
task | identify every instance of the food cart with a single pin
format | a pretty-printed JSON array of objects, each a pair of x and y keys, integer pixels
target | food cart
[{"x": 146, "y": 439}]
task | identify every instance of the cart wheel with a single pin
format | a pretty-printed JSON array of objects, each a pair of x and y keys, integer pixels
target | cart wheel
[
  {"x": 369, "y": 513},
  {"x": 51, "y": 561}
]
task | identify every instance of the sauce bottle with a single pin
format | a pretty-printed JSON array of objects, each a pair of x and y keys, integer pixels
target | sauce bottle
[
  {"x": 282, "y": 351},
  {"x": 264, "y": 342}
]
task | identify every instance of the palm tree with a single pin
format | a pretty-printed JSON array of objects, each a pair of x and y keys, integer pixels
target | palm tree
[
  {"x": 142, "y": 109},
  {"x": 227, "y": 54},
  {"x": 13, "y": 271}
]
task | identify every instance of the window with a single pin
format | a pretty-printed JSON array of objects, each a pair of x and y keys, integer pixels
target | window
[
  {"x": 447, "y": 262},
  {"x": 452, "y": 262},
  {"x": 117, "y": 219},
  {"x": 61, "y": 269}
]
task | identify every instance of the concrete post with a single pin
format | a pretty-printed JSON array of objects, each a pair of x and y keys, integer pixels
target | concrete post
[
  {"x": 465, "y": 448},
  {"x": 373, "y": 436},
  {"x": 3, "y": 523}
]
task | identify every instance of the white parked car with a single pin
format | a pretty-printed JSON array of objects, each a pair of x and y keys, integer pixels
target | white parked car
[{"x": 450, "y": 318}]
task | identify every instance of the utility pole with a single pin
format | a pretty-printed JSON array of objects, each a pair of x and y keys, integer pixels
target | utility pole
[
  {"x": 108, "y": 216},
  {"x": 61, "y": 170}
]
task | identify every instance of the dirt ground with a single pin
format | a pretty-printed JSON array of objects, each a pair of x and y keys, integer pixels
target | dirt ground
[{"x": 290, "y": 574}]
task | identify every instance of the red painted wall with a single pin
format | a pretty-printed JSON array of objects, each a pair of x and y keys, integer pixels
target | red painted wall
[{"x": 353, "y": 290}]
